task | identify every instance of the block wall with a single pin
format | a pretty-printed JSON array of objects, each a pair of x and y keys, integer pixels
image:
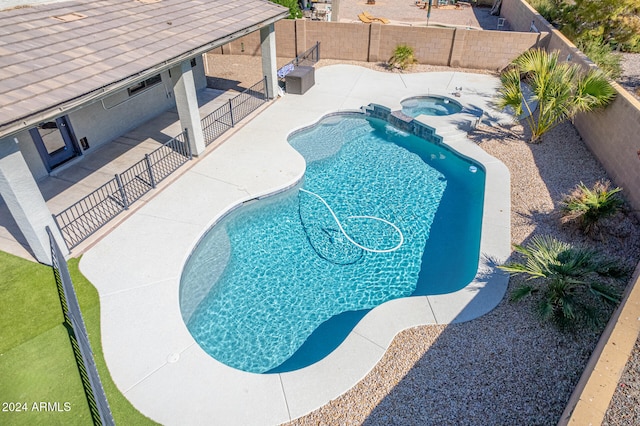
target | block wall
[
  {"x": 286, "y": 38},
  {"x": 491, "y": 50},
  {"x": 376, "y": 43},
  {"x": 338, "y": 40},
  {"x": 430, "y": 45}
]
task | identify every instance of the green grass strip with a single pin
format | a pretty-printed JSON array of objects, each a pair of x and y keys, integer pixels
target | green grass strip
[{"x": 39, "y": 378}]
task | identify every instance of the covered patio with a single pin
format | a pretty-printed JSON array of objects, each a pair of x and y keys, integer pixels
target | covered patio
[
  {"x": 70, "y": 184},
  {"x": 90, "y": 72}
]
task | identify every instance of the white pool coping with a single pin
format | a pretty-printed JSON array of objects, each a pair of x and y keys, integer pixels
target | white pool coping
[{"x": 152, "y": 357}]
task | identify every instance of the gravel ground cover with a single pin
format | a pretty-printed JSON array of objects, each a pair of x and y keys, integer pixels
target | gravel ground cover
[
  {"x": 630, "y": 79},
  {"x": 625, "y": 404},
  {"x": 624, "y": 408},
  {"x": 505, "y": 367}
]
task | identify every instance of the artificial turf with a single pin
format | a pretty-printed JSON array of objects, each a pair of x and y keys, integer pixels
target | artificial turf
[{"x": 39, "y": 379}]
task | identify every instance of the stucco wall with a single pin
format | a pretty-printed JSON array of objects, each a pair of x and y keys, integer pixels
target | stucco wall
[
  {"x": 199, "y": 75},
  {"x": 376, "y": 42},
  {"x": 105, "y": 120}
]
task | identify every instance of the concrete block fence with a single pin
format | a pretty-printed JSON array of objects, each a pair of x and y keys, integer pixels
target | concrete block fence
[{"x": 456, "y": 47}]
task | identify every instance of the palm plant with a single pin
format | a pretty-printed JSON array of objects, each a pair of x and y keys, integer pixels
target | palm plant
[
  {"x": 560, "y": 89},
  {"x": 588, "y": 207},
  {"x": 402, "y": 58},
  {"x": 567, "y": 277}
]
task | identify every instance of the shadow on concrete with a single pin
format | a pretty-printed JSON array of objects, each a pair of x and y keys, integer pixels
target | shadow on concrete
[{"x": 225, "y": 84}]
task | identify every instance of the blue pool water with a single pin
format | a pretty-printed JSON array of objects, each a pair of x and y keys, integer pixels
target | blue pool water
[
  {"x": 278, "y": 283},
  {"x": 430, "y": 105}
]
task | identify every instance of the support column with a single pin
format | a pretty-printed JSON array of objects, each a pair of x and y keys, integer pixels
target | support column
[
  {"x": 25, "y": 202},
  {"x": 268, "y": 52},
  {"x": 184, "y": 89}
]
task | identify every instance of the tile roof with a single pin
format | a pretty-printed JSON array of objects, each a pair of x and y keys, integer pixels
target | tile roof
[{"x": 46, "y": 62}]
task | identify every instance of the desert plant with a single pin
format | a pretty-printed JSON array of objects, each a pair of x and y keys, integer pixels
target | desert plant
[
  {"x": 588, "y": 207},
  {"x": 600, "y": 53},
  {"x": 551, "y": 10},
  {"x": 402, "y": 58},
  {"x": 616, "y": 22},
  {"x": 569, "y": 279},
  {"x": 560, "y": 89}
]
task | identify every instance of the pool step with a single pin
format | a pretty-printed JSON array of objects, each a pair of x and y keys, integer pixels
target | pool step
[{"x": 451, "y": 133}]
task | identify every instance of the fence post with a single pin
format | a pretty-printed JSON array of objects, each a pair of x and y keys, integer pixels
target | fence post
[
  {"x": 266, "y": 89},
  {"x": 186, "y": 142},
  {"x": 64, "y": 239},
  {"x": 231, "y": 113},
  {"x": 123, "y": 194},
  {"x": 151, "y": 177}
]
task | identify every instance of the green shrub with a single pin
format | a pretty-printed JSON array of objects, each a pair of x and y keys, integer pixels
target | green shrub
[
  {"x": 600, "y": 53},
  {"x": 402, "y": 58},
  {"x": 588, "y": 207},
  {"x": 551, "y": 10},
  {"x": 570, "y": 280},
  {"x": 294, "y": 8}
]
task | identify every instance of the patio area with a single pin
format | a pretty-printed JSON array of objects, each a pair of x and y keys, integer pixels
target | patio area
[{"x": 82, "y": 175}]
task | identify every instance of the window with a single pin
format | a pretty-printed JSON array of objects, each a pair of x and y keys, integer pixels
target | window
[{"x": 137, "y": 88}]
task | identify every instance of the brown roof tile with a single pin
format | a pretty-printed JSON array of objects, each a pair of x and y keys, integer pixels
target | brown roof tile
[{"x": 45, "y": 62}]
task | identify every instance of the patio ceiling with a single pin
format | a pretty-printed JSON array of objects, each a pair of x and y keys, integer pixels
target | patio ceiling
[{"x": 56, "y": 57}]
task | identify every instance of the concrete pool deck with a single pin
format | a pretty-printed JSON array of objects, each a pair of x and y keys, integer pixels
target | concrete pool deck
[{"x": 136, "y": 269}]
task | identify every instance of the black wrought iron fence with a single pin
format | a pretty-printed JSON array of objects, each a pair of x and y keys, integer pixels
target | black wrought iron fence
[
  {"x": 96, "y": 398},
  {"x": 238, "y": 108},
  {"x": 248, "y": 101},
  {"x": 216, "y": 123},
  {"x": 92, "y": 212},
  {"x": 85, "y": 217},
  {"x": 308, "y": 58}
]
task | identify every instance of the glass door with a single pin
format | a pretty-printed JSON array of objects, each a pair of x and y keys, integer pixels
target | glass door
[{"x": 55, "y": 142}]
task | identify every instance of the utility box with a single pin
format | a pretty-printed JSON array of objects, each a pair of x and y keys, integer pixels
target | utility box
[{"x": 300, "y": 80}]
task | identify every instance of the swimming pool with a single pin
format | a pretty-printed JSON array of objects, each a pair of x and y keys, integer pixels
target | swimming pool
[
  {"x": 430, "y": 105},
  {"x": 276, "y": 284}
]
